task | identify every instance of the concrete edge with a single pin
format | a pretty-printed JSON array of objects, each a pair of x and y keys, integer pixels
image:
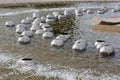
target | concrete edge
[{"x": 31, "y": 4}]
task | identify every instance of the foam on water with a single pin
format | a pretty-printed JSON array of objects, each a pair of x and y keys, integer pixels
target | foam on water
[
  {"x": 17, "y": 12},
  {"x": 5, "y": 58},
  {"x": 66, "y": 73},
  {"x": 77, "y": 5},
  {"x": 32, "y": 10},
  {"x": 62, "y": 72}
]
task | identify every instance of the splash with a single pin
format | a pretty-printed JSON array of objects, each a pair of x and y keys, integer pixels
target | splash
[
  {"x": 32, "y": 10},
  {"x": 17, "y": 12},
  {"x": 64, "y": 73}
]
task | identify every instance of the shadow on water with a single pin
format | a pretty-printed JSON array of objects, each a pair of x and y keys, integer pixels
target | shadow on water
[{"x": 64, "y": 25}]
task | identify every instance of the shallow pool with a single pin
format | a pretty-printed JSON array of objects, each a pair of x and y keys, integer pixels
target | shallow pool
[{"x": 58, "y": 63}]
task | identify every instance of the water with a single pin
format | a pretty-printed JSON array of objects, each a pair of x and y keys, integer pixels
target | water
[{"x": 57, "y": 63}]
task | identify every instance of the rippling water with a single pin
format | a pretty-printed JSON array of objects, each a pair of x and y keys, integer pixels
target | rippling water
[{"x": 58, "y": 63}]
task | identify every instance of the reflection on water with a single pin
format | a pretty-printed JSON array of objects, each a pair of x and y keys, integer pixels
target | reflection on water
[{"x": 87, "y": 65}]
